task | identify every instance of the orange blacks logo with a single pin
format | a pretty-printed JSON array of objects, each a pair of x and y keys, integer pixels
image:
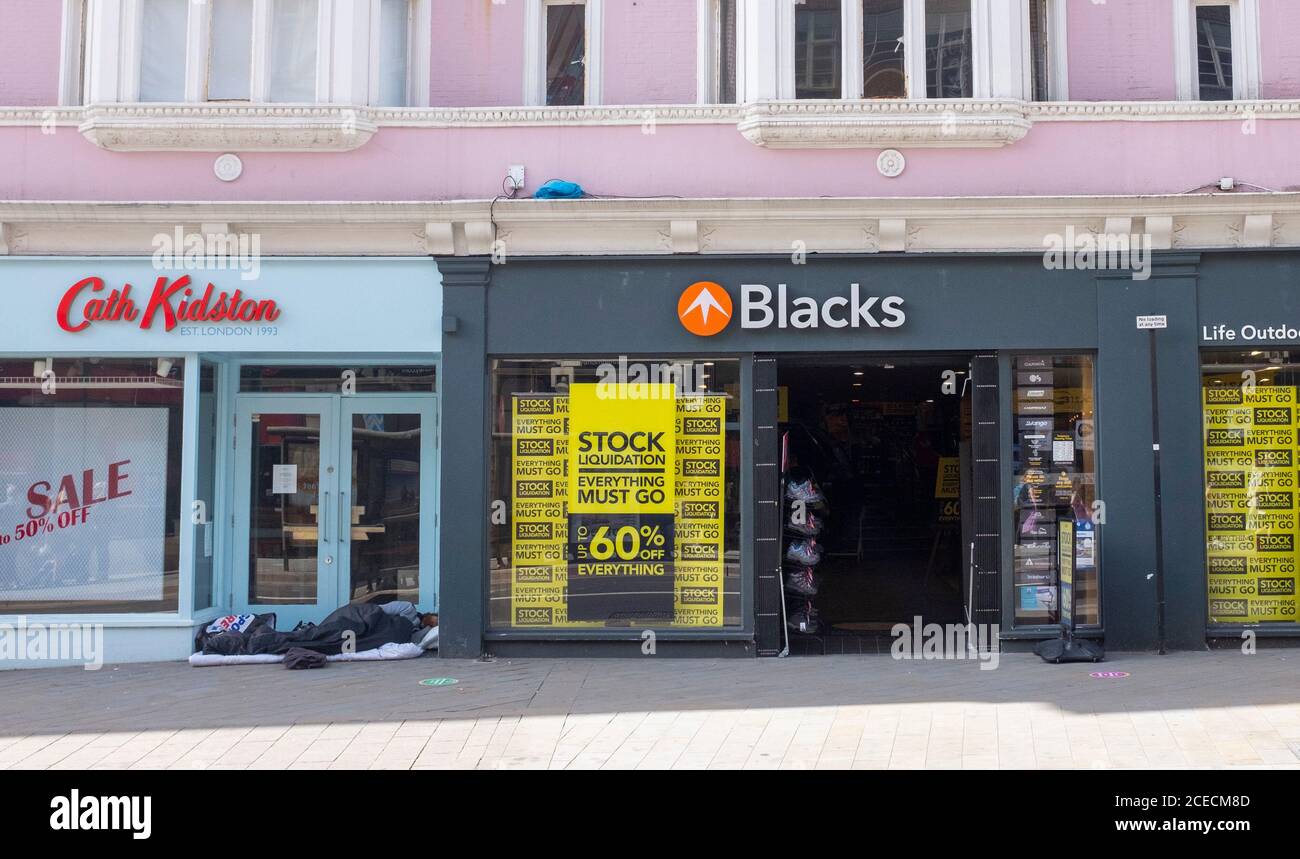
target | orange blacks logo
[{"x": 704, "y": 308}]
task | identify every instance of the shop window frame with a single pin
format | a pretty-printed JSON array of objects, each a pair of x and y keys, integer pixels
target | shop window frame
[
  {"x": 1006, "y": 381},
  {"x": 183, "y": 615},
  {"x": 1261, "y": 629},
  {"x": 748, "y": 507}
]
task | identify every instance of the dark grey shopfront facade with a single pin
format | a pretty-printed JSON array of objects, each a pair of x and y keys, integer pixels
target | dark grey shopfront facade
[{"x": 999, "y": 311}]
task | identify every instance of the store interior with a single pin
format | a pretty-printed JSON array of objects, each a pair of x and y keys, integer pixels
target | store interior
[{"x": 874, "y": 451}]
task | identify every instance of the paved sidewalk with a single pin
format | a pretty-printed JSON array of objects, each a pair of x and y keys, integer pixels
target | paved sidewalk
[{"x": 1217, "y": 709}]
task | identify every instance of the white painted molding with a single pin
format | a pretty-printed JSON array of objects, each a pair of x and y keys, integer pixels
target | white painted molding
[
  {"x": 1257, "y": 231},
  {"x": 660, "y": 114},
  {"x": 884, "y": 123},
  {"x": 659, "y": 226},
  {"x": 227, "y": 127}
]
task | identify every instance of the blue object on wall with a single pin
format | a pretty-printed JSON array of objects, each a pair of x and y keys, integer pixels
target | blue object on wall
[{"x": 559, "y": 189}]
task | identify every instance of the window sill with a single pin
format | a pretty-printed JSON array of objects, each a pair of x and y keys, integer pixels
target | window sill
[
  {"x": 874, "y": 124},
  {"x": 226, "y": 127}
]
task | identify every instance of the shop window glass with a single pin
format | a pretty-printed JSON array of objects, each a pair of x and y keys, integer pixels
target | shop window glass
[
  {"x": 1251, "y": 458},
  {"x": 90, "y": 462},
  {"x": 1055, "y": 467},
  {"x": 618, "y": 484}
]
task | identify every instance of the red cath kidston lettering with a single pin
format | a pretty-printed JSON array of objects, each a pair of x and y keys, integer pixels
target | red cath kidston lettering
[
  {"x": 43, "y": 502},
  {"x": 173, "y": 300}
]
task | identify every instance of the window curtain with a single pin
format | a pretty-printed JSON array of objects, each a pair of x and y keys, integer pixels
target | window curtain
[
  {"x": 230, "y": 68},
  {"x": 162, "y": 50},
  {"x": 293, "y": 50},
  {"x": 394, "y": 51}
]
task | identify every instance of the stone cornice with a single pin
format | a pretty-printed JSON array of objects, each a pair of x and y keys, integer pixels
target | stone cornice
[
  {"x": 879, "y": 124},
  {"x": 312, "y": 127},
  {"x": 662, "y": 226},
  {"x": 226, "y": 127}
]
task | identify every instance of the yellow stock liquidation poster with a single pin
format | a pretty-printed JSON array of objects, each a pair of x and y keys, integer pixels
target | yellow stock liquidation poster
[
  {"x": 622, "y": 451},
  {"x": 1250, "y": 500},
  {"x": 701, "y": 490},
  {"x": 539, "y": 514},
  {"x": 617, "y": 507}
]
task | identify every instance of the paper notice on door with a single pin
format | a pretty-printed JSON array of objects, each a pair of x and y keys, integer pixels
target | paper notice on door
[
  {"x": 1063, "y": 447},
  {"x": 284, "y": 479}
]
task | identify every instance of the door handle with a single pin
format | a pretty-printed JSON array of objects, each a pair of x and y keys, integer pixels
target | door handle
[
  {"x": 324, "y": 518},
  {"x": 345, "y": 517}
]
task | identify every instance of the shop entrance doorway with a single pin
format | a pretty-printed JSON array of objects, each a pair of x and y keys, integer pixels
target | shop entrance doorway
[
  {"x": 335, "y": 502},
  {"x": 874, "y": 455}
]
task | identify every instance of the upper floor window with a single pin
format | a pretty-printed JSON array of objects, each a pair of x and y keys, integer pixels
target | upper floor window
[
  {"x": 562, "y": 52},
  {"x": 257, "y": 51},
  {"x": 1216, "y": 49},
  {"x": 898, "y": 49},
  {"x": 254, "y": 51}
]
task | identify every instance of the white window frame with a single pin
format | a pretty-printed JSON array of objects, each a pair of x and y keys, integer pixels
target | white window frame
[
  {"x": 708, "y": 49},
  {"x": 1244, "y": 19},
  {"x": 419, "y": 30},
  {"x": 1058, "y": 62},
  {"x": 72, "y": 52},
  {"x": 535, "y": 50}
]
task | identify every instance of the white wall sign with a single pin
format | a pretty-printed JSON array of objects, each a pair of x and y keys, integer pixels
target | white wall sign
[
  {"x": 1146, "y": 323},
  {"x": 83, "y": 495}
]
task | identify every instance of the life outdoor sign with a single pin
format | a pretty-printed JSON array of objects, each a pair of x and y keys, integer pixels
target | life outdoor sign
[
  {"x": 121, "y": 304},
  {"x": 705, "y": 308}
]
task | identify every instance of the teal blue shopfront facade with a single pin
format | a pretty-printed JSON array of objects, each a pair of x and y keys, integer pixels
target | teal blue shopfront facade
[
  {"x": 247, "y": 440},
  {"x": 1006, "y": 317}
]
